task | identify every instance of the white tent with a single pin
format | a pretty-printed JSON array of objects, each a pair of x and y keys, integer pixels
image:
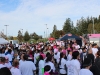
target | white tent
[{"x": 3, "y": 41}]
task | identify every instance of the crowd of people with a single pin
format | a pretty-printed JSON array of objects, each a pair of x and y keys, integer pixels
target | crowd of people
[{"x": 51, "y": 58}]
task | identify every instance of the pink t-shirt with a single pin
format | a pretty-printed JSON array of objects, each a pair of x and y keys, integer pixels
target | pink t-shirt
[
  {"x": 64, "y": 51},
  {"x": 69, "y": 49}
]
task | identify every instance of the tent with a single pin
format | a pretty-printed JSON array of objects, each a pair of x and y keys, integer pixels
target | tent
[
  {"x": 70, "y": 36},
  {"x": 3, "y": 41},
  {"x": 51, "y": 39}
]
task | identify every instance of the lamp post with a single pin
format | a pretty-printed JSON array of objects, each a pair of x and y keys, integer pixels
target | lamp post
[
  {"x": 6, "y": 29},
  {"x": 22, "y": 31},
  {"x": 44, "y": 36},
  {"x": 46, "y": 30},
  {"x": 3, "y": 31}
]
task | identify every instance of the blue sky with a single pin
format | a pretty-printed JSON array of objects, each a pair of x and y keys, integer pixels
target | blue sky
[{"x": 32, "y": 15}]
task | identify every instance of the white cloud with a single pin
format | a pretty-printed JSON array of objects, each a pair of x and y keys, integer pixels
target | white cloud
[{"x": 32, "y": 15}]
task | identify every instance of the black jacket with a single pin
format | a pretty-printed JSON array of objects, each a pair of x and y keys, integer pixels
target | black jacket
[
  {"x": 96, "y": 67},
  {"x": 91, "y": 56}
]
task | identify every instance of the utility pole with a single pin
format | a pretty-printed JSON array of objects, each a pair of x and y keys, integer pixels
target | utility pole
[
  {"x": 46, "y": 31},
  {"x": 6, "y": 29}
]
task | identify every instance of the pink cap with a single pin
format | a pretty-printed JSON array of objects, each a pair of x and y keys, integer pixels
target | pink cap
[
  {"x": 54, "y": 47},
  {"x": 43, "y": 55},
  {"x": 46, "y": 73}
]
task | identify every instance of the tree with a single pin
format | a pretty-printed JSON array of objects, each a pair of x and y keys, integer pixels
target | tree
[
  {"x": 26, "y": 36},
  {"x": 54, "y": 30},
  {"x": 82, "y": 26},
  {"x": 20, "y": 36},
  {"x": 35, "y": 36},
  {"x": 58, "y": 34},
  {"x": 11, "y": 38},
  {"x": 90, "y": 28},
  {"x": 97, "y": 27},
  {"x": 67, "y": 26}
]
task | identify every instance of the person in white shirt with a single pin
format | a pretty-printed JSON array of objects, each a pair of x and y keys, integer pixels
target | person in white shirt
[
  {"x": 74, "y": 66},
  {"x": 48, "y": 61},
  {"x": 22, "y": 59},
  {"x": 2, "y": 53},
  {"x": 77, "y": 46},
  {"x": 7, "y": 63},
  {"x": 36, "y": 55},
  {"x": 9, "y": 56},
  {"x": 58, "y": 55},
  {"x": 55, "y": 55},
  {"x": 94, "y": 49},
  {"x": 6, "y": 49},
  {"x": 62, "y": 65},
  {"x": 17, "y": 46},
  {"x": 14, "y": 70},
  {"x": 2, "y": 62},
  {"x": 41, "y": 65},
  {"x": 69, "y": 57},
  {"x": 86, "y": 66},
  {"x": 28, "y": 67}
]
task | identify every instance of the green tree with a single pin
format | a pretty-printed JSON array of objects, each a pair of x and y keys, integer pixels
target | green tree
[
  {"x": 20, "y": 36},
  {"x": 54, "y": 30},
  {"x": 58, "y": 34},
  {"x": 82, "y": 26},
  {"x": 67, "y": 26},
  {"x": 90, "y": 28},
  {"x": 11, "y": 38},
  {"x": 97, "y": 27},
  {"x": 26, "y": 36},
  {"x": 35, "y": 36}
]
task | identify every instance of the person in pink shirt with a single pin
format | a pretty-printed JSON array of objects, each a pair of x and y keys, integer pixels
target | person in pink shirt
[{"x": 69, "y": 48}]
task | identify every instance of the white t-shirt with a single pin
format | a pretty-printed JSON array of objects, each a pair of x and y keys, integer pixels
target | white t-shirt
[
  {"x": 51, "y": 65},
  {"x": 1, "y": 66},
  {"x": 8, "y": 65},
  {"x": 74, "y": 67},
  {"x": 2, "y": 55},
  {"x": 15, "y": 71},
  {"x": 62, "y": 66},
  {"x": 85, "y": 72},
  {"x": 69, "y": 57},
  {"x": 41, "y": 66},
  {"x": 35, "y": 57},
  {"x": 58, "y": 57},
  {"x": 77, "y": 47},
  {"x": 27, "y": 68},
  {"x": 6, "y": 50},
  {"x": 94, "y": 50},
  {"x": 20, "y": 62},
  {"x": 9, "y": 57},
  {"x": 17, "y": 45}
]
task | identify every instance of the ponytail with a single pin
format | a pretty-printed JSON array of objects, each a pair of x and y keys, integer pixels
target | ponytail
[
  {"x": 49, "y": 58},
  {"x": 61, "y": 56}
]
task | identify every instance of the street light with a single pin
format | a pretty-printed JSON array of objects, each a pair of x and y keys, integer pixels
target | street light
[
  {"x": 3, "y": 31},
  {"x": 22, "y": 31},
  {"x": 6, "y": 29},
  {"x": 46, "y": 30}
]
